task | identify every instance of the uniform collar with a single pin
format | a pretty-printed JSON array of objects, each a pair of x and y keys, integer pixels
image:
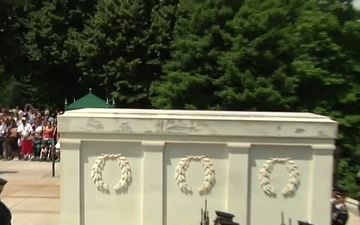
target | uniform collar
[{"x": 340, "y": 206}]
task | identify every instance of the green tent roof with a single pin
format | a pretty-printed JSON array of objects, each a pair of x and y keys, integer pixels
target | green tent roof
[{"x": 89, "y": 101}]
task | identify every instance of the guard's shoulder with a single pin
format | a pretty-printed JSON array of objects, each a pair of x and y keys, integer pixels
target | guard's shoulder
[
  {"x": 344, "y": 209},
  {"x": 2, "y": 181},
  {"x": 3, "y": 206}
]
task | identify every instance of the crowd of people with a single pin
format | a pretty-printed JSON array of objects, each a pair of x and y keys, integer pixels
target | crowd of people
[{"x": 29, "y": 134}]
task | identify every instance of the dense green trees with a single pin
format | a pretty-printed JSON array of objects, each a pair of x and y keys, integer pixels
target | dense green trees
[
  {"x": 124, "y": 45},
  {"x": 275, "y": 55},
  {"x": 201, "y": 36}
]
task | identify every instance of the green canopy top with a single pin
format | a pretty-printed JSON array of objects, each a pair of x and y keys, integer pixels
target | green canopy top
[{"x": 89, "y": 101}]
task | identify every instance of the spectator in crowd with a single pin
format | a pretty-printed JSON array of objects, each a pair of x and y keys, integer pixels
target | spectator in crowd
[
  {"x": 12, "y": 137},
  {"x": 38, "y": 132},
  {"x": 30, "y": 110},
  {"x": 48, "y": 117},
  {"x": 2, "y": 135},
  {"x": 28, "y": 130},
  {"x": 26, "y": 141}
]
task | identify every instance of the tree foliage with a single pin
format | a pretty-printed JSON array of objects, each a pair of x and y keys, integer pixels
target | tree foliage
[
  {"x": 201, "y": 35},
  {"x": 124, "y": 45},
  {"x": 274, "y": 55}
]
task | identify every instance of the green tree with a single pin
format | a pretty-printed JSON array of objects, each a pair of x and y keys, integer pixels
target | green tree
[
  {"x": 124, "y": 45},
  {"x": 200, "y": 36},
  {"x": 14, "y": 87},
  {"x": 50, "y": 28},
  {"x": 257, "y": 70},
  {"x": 327, "y": 67}
]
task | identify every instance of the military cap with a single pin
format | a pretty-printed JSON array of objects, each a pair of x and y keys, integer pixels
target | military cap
[
  {"x": 304, "y": 223},
  {"x": 3, "y": 182},
  {"x": 227, "y": 222},
  {"x": 342, "y": 191},
  {"x": 224, "y": 215}
]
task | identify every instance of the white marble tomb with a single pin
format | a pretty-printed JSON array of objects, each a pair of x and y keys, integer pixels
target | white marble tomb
[{"x": 156, "y": 167}]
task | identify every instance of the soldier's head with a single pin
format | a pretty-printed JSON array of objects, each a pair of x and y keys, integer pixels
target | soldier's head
[
  {"x": 3, "y": 182},
  {"x": 224, "y": 218},
  {"x": 341, "y": 195},
  {"x": 224, "y": 222}
]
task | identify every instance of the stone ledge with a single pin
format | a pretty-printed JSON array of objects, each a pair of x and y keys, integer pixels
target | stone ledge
[{"x": 197, "y": 123}]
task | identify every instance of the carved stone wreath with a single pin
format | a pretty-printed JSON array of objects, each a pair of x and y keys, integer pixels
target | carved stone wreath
[
  {"x": 268, "y": 167},
  {"x": 98, "y": 166},
  {"x": 182, "y": 167}
]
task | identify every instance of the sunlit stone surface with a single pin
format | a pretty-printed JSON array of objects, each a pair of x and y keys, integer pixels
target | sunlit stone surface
[{"x": 153, "y": 142}]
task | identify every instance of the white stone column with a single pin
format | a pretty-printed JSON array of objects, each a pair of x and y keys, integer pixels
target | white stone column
[
  {"x": 70, "y": 190},
  {"x": 153, "y": 182},
  {"x": 321, "y": 183},
  {"x": 238, "y": 183}
]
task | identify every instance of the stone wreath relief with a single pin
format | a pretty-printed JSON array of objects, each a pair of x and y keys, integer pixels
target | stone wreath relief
[
  {"x": 98, "y": 166},
  {"x": 293, "y": 181},
  {"x": 182, "y": 167}
]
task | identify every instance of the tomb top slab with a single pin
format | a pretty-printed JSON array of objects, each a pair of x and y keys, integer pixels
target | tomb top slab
[{"x": 203, "y": 123}]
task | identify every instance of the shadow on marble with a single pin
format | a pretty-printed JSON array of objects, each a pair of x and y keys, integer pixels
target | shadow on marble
[{"x": 8, "y": 172}]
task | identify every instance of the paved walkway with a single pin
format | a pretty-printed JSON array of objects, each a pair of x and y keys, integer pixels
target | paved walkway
[
  {"x": 354, "y": 215},
  {"x": 33, "y": 194}
]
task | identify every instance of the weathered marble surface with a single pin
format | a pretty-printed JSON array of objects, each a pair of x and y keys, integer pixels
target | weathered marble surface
[
  {"x": 200, "y": 123},
  {"x": 155, "y": 141}
]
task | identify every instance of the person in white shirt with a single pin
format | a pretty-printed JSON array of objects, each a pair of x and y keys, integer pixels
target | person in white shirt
[
  {"x": 38, "y": 133},
  {"x": 2, "y": 136},
  {"x": 25, "y": 131}
]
